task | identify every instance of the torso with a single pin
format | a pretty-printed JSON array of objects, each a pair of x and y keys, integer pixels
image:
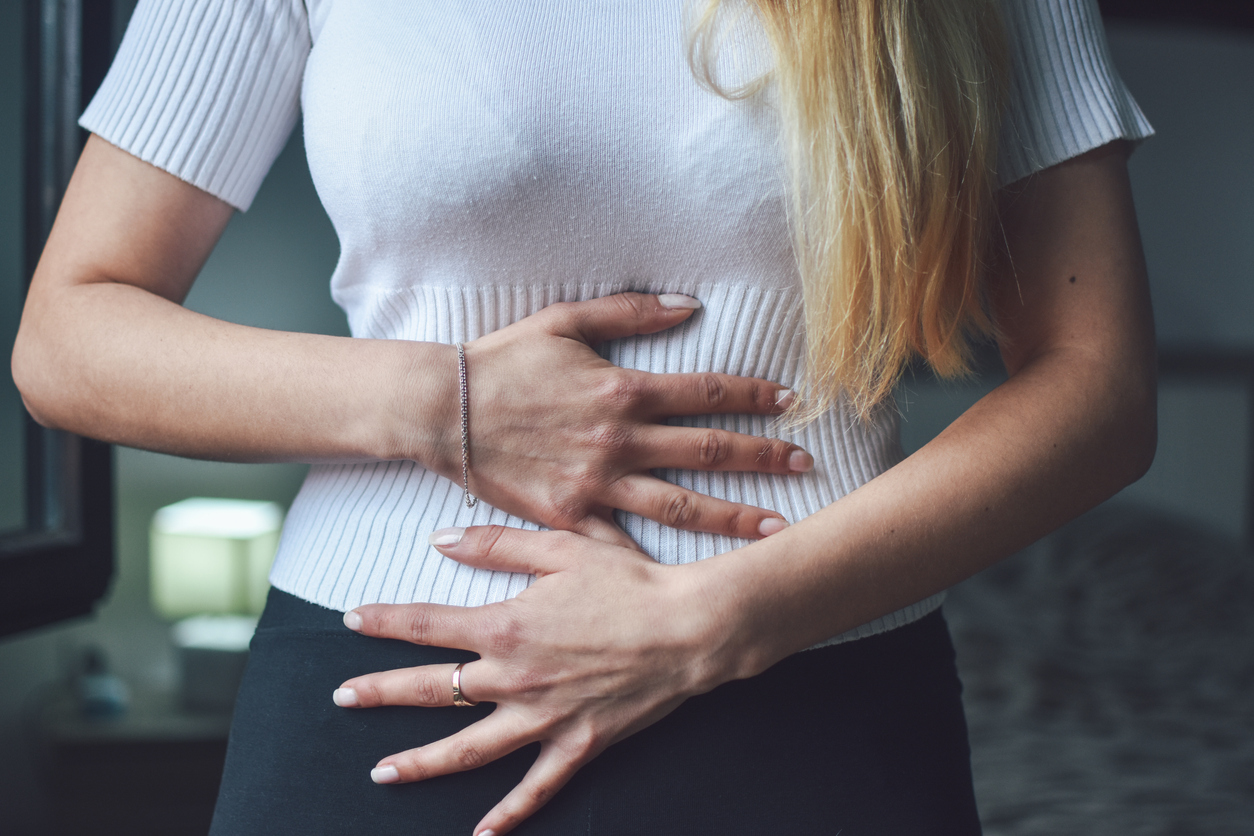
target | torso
[{"x": 481, "y": 161}]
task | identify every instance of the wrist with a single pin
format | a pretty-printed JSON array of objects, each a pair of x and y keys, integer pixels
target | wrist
[
  {"x": 423, "y": 419},
  {"x": 728, "y": 640}
]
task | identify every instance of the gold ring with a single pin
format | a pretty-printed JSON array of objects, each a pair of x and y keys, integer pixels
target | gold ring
[{"x": 458, "y": 699}]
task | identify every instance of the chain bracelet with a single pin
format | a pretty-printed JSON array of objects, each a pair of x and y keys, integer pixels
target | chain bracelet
[{"x": 464, "y": 389}]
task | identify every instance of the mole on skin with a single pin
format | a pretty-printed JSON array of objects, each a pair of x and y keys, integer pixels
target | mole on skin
[{"x": 1073, "y": 279}]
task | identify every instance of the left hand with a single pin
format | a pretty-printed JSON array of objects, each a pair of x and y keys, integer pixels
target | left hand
[{"x": 604, "y": 643}]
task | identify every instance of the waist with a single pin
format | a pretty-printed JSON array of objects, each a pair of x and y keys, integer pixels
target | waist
[
  {"x": 358, "y": 533},
  {"x": 741, "y": 329}
]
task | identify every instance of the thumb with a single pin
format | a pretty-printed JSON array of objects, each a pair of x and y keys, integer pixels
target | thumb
[{"x": 623, "y": 315}]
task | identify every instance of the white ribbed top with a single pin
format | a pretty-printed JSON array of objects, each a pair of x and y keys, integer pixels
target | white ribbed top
[
  {"x": 1067, "y": 95},
  {"x": 483, "y": 160}
]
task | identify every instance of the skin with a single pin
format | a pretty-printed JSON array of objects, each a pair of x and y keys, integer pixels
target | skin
[
  {"x": 606, "y": 642},
  {"x": 106, "y": 350}
]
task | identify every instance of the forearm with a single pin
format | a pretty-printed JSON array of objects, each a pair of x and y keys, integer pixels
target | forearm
[
  {"x": 1074, "y": 423},
  {"x": 117, "y": 362},
  {"x": 105, "y": 348},
  {"x": 561, "y": 436},
  {"x": 1053, "y": 441}
]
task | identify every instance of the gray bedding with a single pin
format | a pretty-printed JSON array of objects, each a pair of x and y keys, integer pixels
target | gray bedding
[{"x": 1109, "y": 675}]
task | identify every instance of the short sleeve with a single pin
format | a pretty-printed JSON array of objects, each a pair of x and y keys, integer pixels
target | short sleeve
[
  {"x": 1065, "y": 95},
  {"x": 208, "y": 90}
]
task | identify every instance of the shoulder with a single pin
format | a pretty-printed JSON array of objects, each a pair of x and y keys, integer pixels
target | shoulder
[
  {"x": 1065, "y": 93},
  {"x": 206, "y": 90}
]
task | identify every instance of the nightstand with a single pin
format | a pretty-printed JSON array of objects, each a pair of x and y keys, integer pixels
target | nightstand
[{"x": 153, "y": 771}]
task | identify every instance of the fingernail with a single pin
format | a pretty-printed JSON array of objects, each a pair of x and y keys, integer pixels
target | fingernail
[
  {"x": 345, "y": 698},
  {"x": 799, "y": 461},
  {"x": 487, "y": 833},
  {"x": 446, "y": 536},
  {"x": 784, "y": 398},
  {"x": 385, "y": 774},
  {"x": 678, "y": 300},
  {"x": 352, "y": 620},
  {"x": 771, "y": 525}
]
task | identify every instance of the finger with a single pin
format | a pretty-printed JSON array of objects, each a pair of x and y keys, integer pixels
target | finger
[
  {"x": 600, "y": 528},
  {"x": 689, "y": 448},
  {"x": 681, "y": 508},
  {"x": 428, "y": 686},
  {"x": 493, "y": 737},
  {"x": 507, "y": 549},
  {"x": 707, "y": 393},
  {"x": 620, "y": 315},
  {"x": 551, "y": 771},
  {"x": 438, "y": 625}
]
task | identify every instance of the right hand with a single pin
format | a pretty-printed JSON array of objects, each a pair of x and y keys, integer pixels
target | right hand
[{"x": 562, "y": 437}]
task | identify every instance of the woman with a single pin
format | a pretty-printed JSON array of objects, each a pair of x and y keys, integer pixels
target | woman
[{"x": 482, "y": 163}]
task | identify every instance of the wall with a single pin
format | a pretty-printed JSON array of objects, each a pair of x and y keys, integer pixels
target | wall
[
  {"x": 1194, "y": 181},
  {"x": 12, "y": 490},
  {"x": 1194, "y": 187}
]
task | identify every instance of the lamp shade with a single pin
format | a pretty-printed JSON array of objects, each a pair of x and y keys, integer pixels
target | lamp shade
[{"x": 212, "y": 556}]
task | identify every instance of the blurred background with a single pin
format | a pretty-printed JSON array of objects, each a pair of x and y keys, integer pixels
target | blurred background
[{"x": 146, "y": 763}]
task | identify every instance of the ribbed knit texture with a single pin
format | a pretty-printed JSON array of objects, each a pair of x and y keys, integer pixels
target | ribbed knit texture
[
  {"x": 481, "y": 160},
  {"x": 206, "y": 90},
  {"x": 364, "y": 526},
  {"x": 1067, "y": 93}
]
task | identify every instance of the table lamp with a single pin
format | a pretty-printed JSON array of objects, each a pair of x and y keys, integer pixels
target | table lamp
[{"x": 210, "y": 561}]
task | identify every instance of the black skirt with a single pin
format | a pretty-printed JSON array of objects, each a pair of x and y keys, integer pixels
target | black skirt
[{"x": 862, "y": 738}]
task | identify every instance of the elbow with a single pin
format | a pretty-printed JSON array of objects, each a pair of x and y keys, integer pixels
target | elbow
[
  {"x": 41, "y": 417},
  {"x": 35, "y": 379},
  {"x": 1144, "y": 446},
  {"x": 1134, "y": 434}
]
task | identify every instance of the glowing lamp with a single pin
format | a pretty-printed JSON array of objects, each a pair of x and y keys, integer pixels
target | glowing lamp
[{"x": 212, "y": 556}]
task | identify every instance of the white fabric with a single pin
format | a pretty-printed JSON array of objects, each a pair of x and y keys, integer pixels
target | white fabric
[
  {"x": 1066, "y": 95},
  {"x": 481, "y": 160}
]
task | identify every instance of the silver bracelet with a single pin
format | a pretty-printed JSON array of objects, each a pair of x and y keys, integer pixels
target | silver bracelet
[{"x": 467, "y": 497}]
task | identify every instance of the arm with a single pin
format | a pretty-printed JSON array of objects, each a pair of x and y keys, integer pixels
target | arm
[
  {"x": 1073, "y": 424},
  {"x": 105, "y": 349}
]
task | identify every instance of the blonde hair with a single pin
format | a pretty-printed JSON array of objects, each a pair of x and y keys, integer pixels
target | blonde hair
[{"x": 890, "y": 112}]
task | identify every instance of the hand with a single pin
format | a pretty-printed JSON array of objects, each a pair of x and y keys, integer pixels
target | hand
[
  {"x": 604, "y": 643},
  {"x": 562, "y": 437}
]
